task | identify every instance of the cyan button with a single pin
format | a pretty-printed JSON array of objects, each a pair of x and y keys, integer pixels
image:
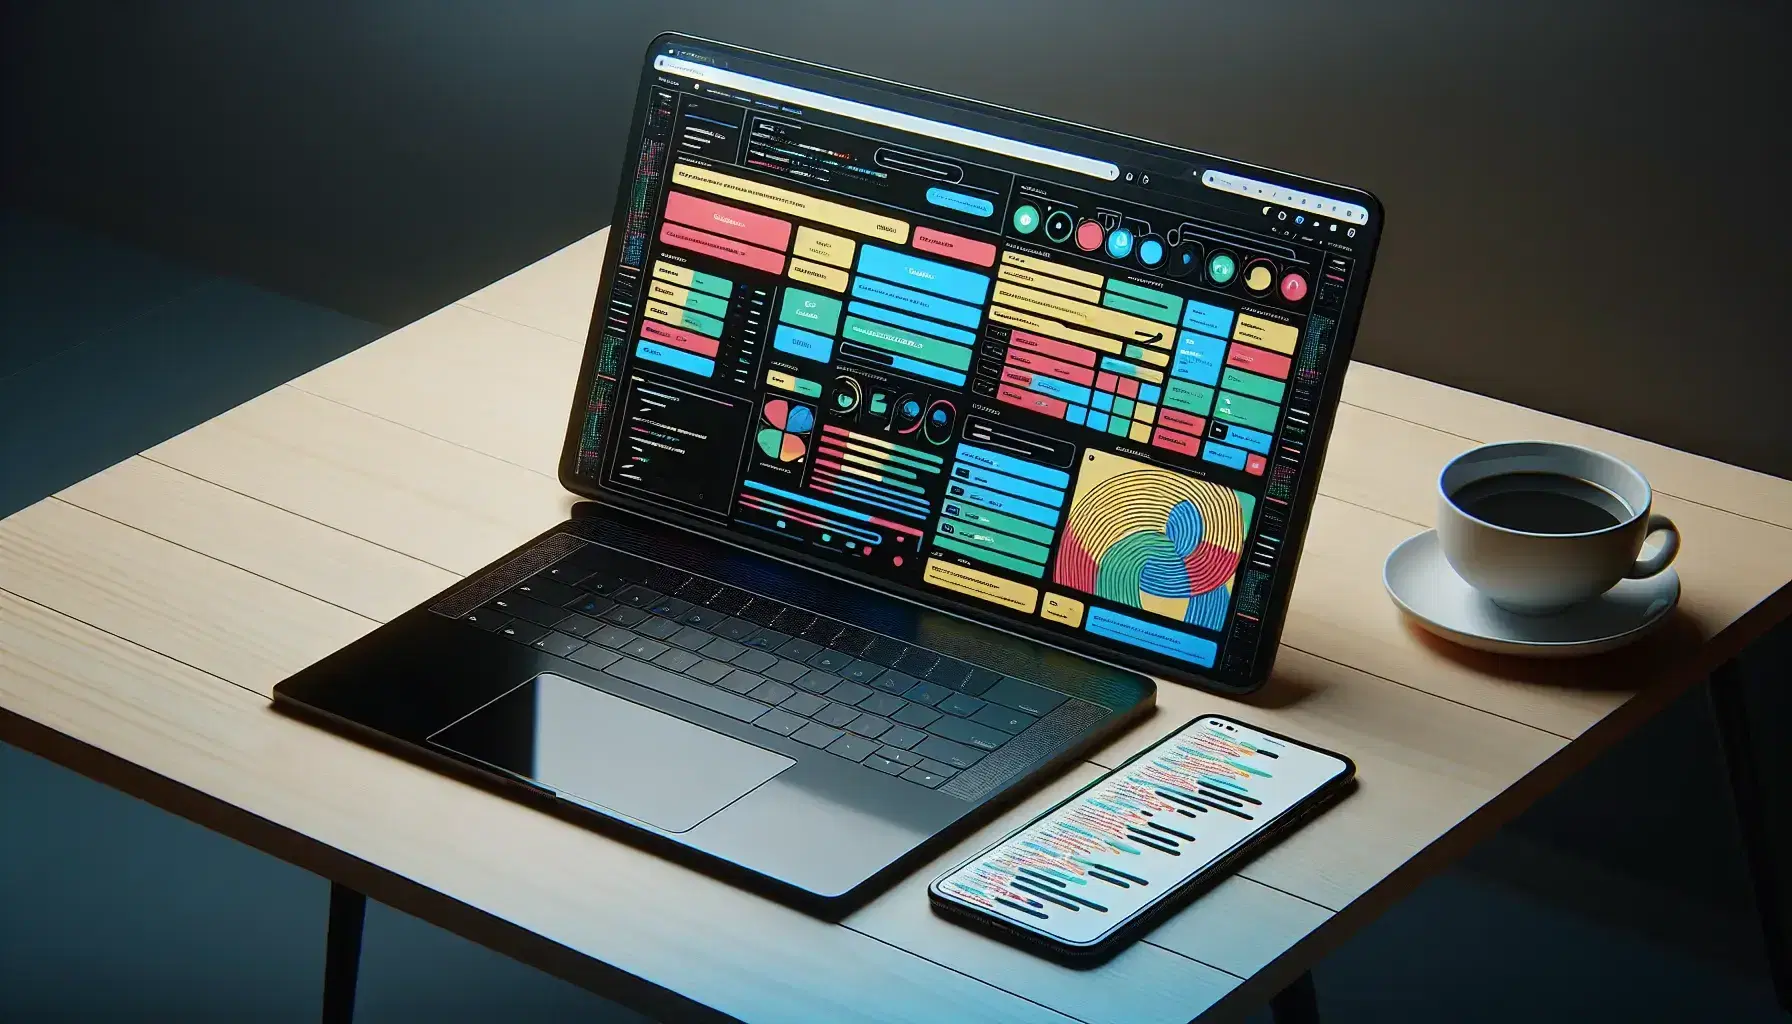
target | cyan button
[{"x": 959, "y": 201}]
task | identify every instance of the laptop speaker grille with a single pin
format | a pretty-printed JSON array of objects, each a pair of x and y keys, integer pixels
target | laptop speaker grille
[
  {"x": 1071, "y": 721},
  {"x": 484, "y": 587}
]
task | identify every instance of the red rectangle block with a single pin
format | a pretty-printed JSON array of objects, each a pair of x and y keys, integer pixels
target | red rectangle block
[
  {"x": 1129, "y": 388},
  {"x": 1254, "y": 464},
  {"x": 956, "y": 246},
  {"x": 1270, "y": 364},
  {"x": 1018, "y": 378},
  {"x": 1057, "y": 349},
  {"x": 1176, "y": 419},
  {"x": 1175, "y": 442},
  {"x": 653, "y": 330},
  {"x": 723, "y": 248},
  {"x": 726, "y": 220},
  {"x": 1051, "y": 367},
  {"x": 1107, "y": 381},
  {"x": 1028, "y": 400}
]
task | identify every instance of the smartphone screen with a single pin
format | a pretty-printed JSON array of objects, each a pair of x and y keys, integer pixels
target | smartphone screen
[{"x": 1107, "y": 854}]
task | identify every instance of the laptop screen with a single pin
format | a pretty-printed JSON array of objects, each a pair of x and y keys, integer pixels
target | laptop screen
[{"x": 1066, "y": 381}]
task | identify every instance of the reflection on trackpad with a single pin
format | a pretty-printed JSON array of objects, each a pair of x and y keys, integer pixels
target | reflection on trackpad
[{"x": 600, "y": 749}]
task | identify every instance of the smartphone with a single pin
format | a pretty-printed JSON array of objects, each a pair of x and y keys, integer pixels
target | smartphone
[{"x": 1086, "y": 877}]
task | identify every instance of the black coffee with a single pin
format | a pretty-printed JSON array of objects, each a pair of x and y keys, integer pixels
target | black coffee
[{"x": 1542, "y": 503}]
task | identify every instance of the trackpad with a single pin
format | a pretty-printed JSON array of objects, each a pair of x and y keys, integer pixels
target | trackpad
[{"x": 600, "y": 749}]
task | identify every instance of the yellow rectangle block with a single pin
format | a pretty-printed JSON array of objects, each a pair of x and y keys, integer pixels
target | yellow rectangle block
[
  {"x": 815, "y": 273},
  {"x": 823, "y": 247},
  {"x": 792, "y": 203},
  {"x": 981, "y": 585},
  {"x": 1155, "y": 358},
  {"x": 675, "y": 274},
  {"x": 1266, "y": 334},
  {"x": 664, "y": 313},
  {"x": 1050, "y": 284},
  {"x": 668, "y": 292},
  {"x": 780, "y": 380},
  {"x": 1144, "y": 413},
  {"x": 1139, "y": 432},
  {"x": 1037, "y": 265},
  {"x": 1135, "y": 329},
  {"x": 1059, "y": 608},
  {"x": 1053, "y": 329}
]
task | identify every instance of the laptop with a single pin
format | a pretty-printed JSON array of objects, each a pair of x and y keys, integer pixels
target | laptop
[{"x": 918, "y": 434}]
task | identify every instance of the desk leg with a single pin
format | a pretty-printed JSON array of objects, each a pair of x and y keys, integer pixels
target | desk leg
[
  {"x": 1764, "y": 814},
  {"x": 342, "y": 953},
  {"x": 1298, "y": 1003}
]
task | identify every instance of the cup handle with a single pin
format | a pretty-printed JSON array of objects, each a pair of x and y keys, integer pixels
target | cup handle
[{"x": 1646, "y": 567}]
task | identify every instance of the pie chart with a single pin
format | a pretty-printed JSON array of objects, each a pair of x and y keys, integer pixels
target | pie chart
[{"x": 782, "y": 428}]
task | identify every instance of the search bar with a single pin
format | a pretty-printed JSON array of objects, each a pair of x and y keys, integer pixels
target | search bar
[
  {"x": 887, "y": 118},
  {"x": 1263, "y": 191}
]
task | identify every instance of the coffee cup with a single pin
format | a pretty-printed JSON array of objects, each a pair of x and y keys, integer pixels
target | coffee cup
[{"x": 1539, "y": 526}]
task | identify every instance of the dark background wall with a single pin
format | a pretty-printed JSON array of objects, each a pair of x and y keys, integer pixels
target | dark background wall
[{"x": 1579, "y": 194}]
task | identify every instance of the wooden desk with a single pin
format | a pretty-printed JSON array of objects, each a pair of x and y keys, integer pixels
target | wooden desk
[{"x": 146, "y": 613}]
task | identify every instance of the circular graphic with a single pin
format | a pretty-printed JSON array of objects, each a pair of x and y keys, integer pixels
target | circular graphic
[
  {"x": 1147, "y": 538},
  {"x": 1088, "y": 236},
  {"x": 784, "y": 425},
  {"x": 1026, "y": 219},
  {"x": 1222, "y": 267},
  {"x": 1259, "y": 274},
  {"x": 1184, "y": 259},
  {"x": 1294, "y": 287},
  {"x": 1058, "y": 225},
  {"x": 1151, "y": 251},
  {"x": 1120, "y": 243},
  {"x": 907, "y": 418},
  {"x": 942, "y": 416},
  {"x": 847, "y": 394}
]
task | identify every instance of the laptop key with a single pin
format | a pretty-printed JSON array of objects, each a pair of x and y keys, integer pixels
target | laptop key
[
  {"x": 677, "y": 660},
  {"x": 849, "y": 693},
  {"x": 593, "y": 656},
  {"x": 658, "y": 628},
  {"x": 591, "y": 604},
  {"x": 674, "y": 685},
  {"x": 529, "y": 609},
  {"x": 958, "y": 730},
  {"x": 781, "y": 722},
  {"x": 927, "y": 693},
  {"x": 644, "y": 648},
  {"x": 981, "y": 679},
  {"x": 785, "y": 671},
  {"x": 558, "y": 644},
  {"x": 921, "y": 777},
  {"x": 817, "y": 681},
  {"x": 838, "y": 715},
  {"x": 523, "y": 632},
  {"x": 578, "y": 625},
  {"x": 998, "y": 717},
  {"x": 928, "y": 764},
  {"x": 489, "y": 619},
  {"x": 708, "y": 671},
  {"x": 853, "y": 748},
  {"x": 918, "y": 715},
  {"x": 1024, "y": 696},
  {"x": 755, "y": 661},
  {"x": 603, "y": 582},
  {"x": 735, "y": 628},
  {"x": 862, "y": 671},
  {"x": 702, "y": 618},
  {"x": 766, "y": 639},
  {"x": 884, "y": 764},
  {"x": 798, "y": 649},
  {"x": 690, "y": 638},
  {"x": 883, "y": 704},
  {"x": 804, "y": 704},
  {"x": 623, "y": 615},
  {"x": 769, "y": 690},
  {"x": 868, "y": 726},
  {"x": 636, "y": 596},
  {"x": 902, "y": 736},
  {"x": 955, "y": 754},
  {"x": 815, "y": 735},
  {"x": 894, "y": 682},
  {"x": 721, "y": 650},
  {"x": 962, "y": 705},
  {"x": 613, "y": 636},
  {"x": 831, "y": 660},
  {"x": 548, "y": 591},
  {"x": 906, "y": 758},
  {"x": 670, "y": 607}
]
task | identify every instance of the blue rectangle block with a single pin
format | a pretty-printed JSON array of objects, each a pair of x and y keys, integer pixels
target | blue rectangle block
[
  {"x": 916, "y": 302},
  {"x": 927, "y": 275},
  {"x": 913, "y": 323},
  {"x": 1076, "y": 414},
  {"x": 975, "y": 456},
  {"x": 1152, "y": 637},
  {"x": 998, "y": 502},
  {"x": 677, "y": 358},
  {"x": 799, "y": 342},
  {"x": 1051, "y": 496},
  {"x": 1223, "y": 455},
  {"x": 1099, "y": 420},
  {"x": 1059, "y": 389},
  {"x": 1150, "y": 393},
  {"x": 1104, "y": 400},
  {"x": 1198, "y": 358},
  {"x": 928, "y": 370},
  {"x": 1245, "y": 437},
  {"x": 1121, "y": 367},
  {"x": 1207, "y": 319},
  {"x": 976, "y": 206}
]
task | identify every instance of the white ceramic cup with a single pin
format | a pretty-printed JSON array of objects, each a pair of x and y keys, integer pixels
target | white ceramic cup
[{"x": 1539, "y": 573}]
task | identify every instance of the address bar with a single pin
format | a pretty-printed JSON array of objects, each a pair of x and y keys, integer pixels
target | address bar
[{"x": 888, "y": 118}]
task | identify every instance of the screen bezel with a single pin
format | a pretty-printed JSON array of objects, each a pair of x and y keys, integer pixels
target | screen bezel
[
  {"x": 1251, "y": 841},
  {"x": 1300, "y": 510}
]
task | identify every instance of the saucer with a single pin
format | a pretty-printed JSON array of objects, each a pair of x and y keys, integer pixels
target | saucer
[{"x": 1421, "y": 582}]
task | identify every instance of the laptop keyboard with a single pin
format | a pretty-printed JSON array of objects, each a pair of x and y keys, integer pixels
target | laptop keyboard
[{"x": 903, "y": 710}]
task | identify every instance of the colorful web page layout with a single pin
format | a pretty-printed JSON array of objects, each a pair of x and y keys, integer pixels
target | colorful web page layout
[
  {"x": 1073, "y": 403},
  {"x": 1087, "y": 866}
]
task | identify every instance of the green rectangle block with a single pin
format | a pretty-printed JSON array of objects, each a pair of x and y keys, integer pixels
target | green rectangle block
[
  {"x": 908, "y": 343},
  {"x": 1246, "y": 411},
  {"x": 810, "y": 311},
  {"x": 705, "y": 303},
  {"x": 712, "y": 284},
  {"x": 1194, "y": 399},
  {"x": 995, "y": 558},
  {"x": 1256, "y": 385},
  {"x": 808, "y": 387},
  {"x": 1119, "y": 425},
  {"x": 698, "y": 322},
  {"x": 1130, "y": 298},
  {"x": 1000, "y": 521},
  {"x": 996, "y": 541}
]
